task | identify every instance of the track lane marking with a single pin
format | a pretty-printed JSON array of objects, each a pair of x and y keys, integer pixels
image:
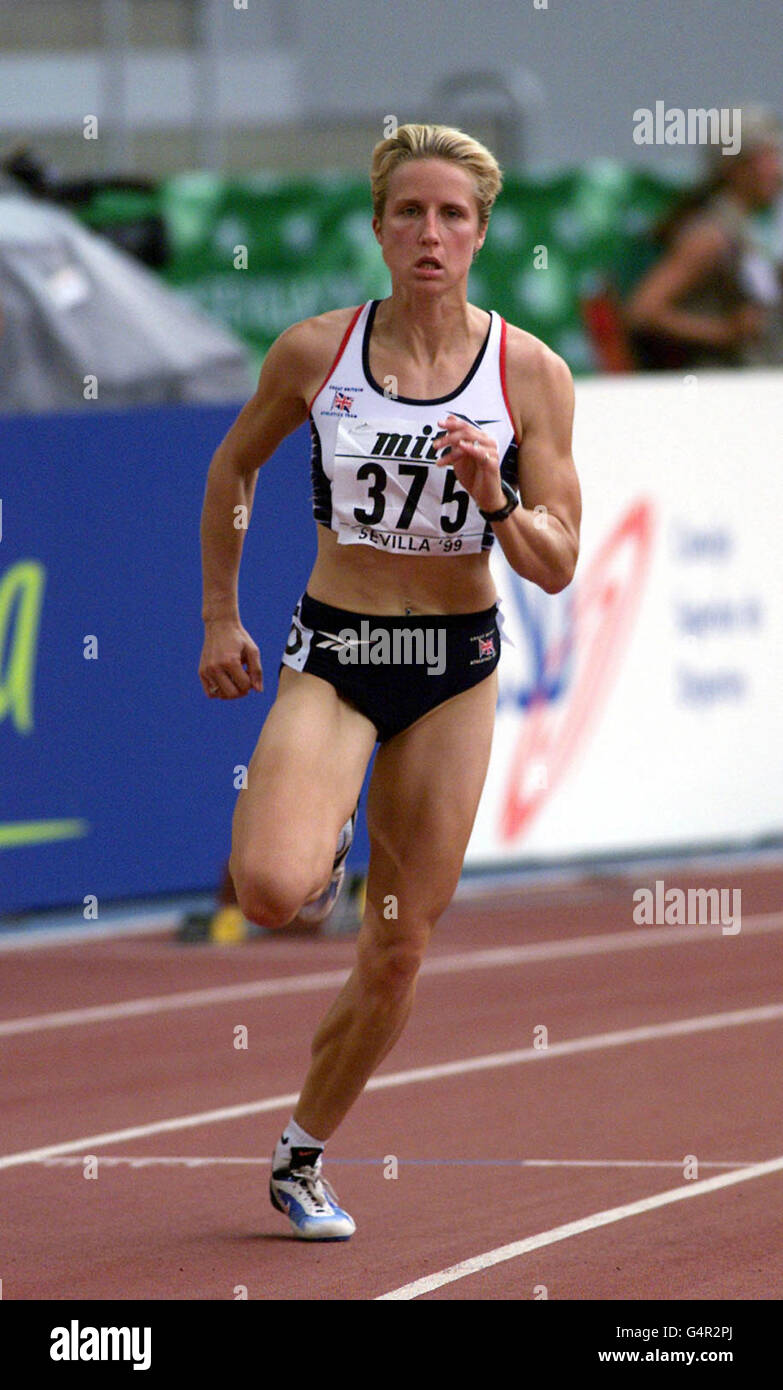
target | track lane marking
[
  {"x": 594, "y": 1042},
  {"x": 224, "y": 1161},
  {"x": 642, "y": 938},
  {"x": 478, "y": 1263},
  {"x": 165, "y": 1003}
]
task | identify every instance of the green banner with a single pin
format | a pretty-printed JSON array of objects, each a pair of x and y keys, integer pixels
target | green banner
[{"x": 262, "y": 252}]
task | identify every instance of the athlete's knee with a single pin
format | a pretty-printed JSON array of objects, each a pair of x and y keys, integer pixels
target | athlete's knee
[
  {"x": 271, "y": 895},
  {"x": 390, "y": 968},
  {"x": 269, "y": 902}
]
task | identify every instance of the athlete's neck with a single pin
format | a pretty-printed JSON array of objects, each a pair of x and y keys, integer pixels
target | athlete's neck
[{"x": 425, "y": 326}]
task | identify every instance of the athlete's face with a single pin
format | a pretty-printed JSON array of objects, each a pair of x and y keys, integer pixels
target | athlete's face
[{"x": 430, "y": 226}]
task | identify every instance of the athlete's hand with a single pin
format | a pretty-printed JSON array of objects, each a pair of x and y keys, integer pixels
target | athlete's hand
[
  {"x": 474, "y": 457},
  {"x": 230, "y": 662}
]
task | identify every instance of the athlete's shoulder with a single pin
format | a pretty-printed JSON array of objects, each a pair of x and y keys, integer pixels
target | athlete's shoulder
[
  {"x": 311, "y": 337},
  {"x": 532, "y": 365},
  {"x": 305, "y": 351},
  {"x": 539, "y": 384},
  {"x": 526, "y": 354}
]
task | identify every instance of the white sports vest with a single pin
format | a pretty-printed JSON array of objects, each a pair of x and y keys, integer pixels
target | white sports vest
[{"x": 374, "y": 479}]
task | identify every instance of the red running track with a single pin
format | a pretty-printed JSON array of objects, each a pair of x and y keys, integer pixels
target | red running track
[{"x": 662, "y": 1072}]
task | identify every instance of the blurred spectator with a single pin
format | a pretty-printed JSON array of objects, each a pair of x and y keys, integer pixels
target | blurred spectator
[
  {"x": 715, "y": 298},
  {"x": 84, "y": 322},
  {"x": 142, "y": 235}
]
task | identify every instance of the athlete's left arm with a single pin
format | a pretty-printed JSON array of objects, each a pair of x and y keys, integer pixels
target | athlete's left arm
[{"x": 540, "y": 539}]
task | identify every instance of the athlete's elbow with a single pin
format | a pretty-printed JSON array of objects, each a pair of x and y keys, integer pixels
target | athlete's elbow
[
  {"x": 228, "y": 462},
  {"x": 558, "y": 576},
  {"x": 553, "y": 584},
  {"x": 552, "y": 581}
]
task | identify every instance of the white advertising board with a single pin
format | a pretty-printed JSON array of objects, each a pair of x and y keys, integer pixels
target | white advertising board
[{"x": 642, "y": 708}]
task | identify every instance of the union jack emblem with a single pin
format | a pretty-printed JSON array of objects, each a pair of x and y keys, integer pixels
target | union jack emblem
[
  {"x": 486, "y": 647},
  {"x": 342, "y": 402}
]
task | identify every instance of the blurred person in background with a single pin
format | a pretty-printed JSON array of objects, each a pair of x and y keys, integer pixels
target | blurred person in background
[{"x": 715, "y": 298}]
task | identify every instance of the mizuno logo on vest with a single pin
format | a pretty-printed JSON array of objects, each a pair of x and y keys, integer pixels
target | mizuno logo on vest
[{"x": 405, "y": 446}]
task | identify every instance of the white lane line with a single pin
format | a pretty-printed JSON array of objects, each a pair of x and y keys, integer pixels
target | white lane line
[
  {"x": 117, "y": 1136},
  {"x": 575, "y": 1228},
  {"x": 704, "y": 1023},
  {"x": 189, "y": 1161},
  {"x": 642, "y": 938},
  {"x": 165, "y": 1003}
]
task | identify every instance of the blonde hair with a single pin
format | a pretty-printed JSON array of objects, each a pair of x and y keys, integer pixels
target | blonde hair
[{"x": 435, "y": 142}]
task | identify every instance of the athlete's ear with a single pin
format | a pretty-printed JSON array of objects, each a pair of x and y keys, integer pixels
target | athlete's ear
[{"x": 376, "y": 226}]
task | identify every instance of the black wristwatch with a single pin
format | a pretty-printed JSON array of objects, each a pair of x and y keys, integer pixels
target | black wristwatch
[{"x": 512, "y": 502}]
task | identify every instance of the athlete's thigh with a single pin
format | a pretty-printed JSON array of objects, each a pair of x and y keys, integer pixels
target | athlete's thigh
[
  {"x": 306, "y": 772},
  {"x": 424, "y": 794}
]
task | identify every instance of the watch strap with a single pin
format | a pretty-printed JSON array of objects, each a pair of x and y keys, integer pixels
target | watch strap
[{"x": 512, "y": 502}]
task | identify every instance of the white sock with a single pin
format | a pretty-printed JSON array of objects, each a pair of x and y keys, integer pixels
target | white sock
[{"x": 294, "y": 1136}]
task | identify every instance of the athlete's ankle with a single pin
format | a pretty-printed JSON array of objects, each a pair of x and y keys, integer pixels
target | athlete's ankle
[
  {"x": 295, "y": 1141},
  {"x": 300, "y": 1138}
]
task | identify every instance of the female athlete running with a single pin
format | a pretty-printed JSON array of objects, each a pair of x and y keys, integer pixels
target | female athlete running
[{"x": 430, "y": 420}]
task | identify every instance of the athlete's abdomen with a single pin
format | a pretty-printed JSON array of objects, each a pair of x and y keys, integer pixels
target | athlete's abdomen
[{"x": 368, "y": 580}]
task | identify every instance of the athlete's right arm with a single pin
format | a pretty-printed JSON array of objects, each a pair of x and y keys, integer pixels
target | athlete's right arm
[{"x": 230, "y": 658}]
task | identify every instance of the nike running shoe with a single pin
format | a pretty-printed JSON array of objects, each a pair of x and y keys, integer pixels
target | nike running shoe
[
  {"x": 308, "y": 1200},
  {"x": 318, "y": 910}
]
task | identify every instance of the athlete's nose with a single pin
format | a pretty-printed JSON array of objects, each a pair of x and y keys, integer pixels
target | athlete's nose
[{"x": 429, "y": 230}]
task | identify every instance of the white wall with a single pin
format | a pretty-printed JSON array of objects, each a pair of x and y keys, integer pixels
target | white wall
[
  {"x": 596, "y": 62},
  {"x": 661, "y": 666}
]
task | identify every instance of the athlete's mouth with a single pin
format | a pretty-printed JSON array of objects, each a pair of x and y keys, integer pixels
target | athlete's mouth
[{"x": 428, "y": 263}]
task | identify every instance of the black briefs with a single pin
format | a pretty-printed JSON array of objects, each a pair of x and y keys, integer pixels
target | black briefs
[{"x": 393, "y": 669}]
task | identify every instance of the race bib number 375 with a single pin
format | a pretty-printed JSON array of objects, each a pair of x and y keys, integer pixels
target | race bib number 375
[{"x": 389, "y": 492}]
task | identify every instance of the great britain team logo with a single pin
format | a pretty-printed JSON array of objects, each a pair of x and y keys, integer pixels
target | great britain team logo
[
  {"x": 486, "y": 648},
  {"x": 344, "y": 398}
]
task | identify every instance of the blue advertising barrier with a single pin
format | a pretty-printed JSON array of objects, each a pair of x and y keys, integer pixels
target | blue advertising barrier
[{"x": 117, "y": 773}]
